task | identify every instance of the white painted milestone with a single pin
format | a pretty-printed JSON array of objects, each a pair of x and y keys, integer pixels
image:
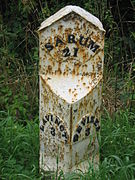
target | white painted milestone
[{"x": 71, "y": 72}]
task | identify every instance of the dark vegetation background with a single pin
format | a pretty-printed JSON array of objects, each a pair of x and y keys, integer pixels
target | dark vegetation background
[{"x": 19, "y": 144}]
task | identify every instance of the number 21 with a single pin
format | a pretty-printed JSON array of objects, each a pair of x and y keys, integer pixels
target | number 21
[{"x": 67, "y": 53}]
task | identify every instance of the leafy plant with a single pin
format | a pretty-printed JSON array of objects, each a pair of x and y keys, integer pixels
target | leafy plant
[{"x": 19, "y": 86}]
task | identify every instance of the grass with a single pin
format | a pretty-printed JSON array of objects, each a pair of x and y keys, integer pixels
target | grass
[
  {"x": 19, "y": 141},
  {"x": 19, "y": 149}
]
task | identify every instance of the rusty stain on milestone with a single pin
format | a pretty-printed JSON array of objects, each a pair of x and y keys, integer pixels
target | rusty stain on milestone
[{"x": 71, "y": 72}]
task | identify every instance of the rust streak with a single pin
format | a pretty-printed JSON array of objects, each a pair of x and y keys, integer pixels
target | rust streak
[{"x": 71, "y": 123}]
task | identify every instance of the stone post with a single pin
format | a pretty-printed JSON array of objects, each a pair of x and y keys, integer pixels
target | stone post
[{"x": 71, "y": 72}]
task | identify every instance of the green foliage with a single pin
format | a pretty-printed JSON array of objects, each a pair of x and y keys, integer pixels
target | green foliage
[
  {"x": 19, "y": 143},
  {"x": 19, "y": 149},
  {"x": 19, "y": 50},
  {"x": 117, "y": 144}
]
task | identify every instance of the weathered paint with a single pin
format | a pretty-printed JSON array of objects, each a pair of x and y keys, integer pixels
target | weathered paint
[{"x": 71, "y": 72}]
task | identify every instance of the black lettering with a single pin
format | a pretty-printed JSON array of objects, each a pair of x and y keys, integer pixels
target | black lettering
[
  {"x": 66, "y": 52},
  {"x": 83, "y": 41},
  {"x": 52, "y": 131},
  {"x": 51, "y": 117},
  {"x": 65, "y": 140},
  {"x": 75, "y": 138},
  {"x": 98, "y": 128},
  {"x": 47, "y": 117},
  {"x": 44, "y": 121},
  {"x": 88, "y": 119},
  {"x": 65, "y": 134},
  {"x": 96, "y": 122},
  {"x": 57, "y": 121},
  {"x": 93, "y": 46},
  {"x": 92, "y": 119},
  {"x": 79, "y": 129},
  {"x": 83, "y": 121},
  {"x": 49, "y": 46},
  {"x": 87, "y": 132},
  {"x": 59, "y": 41},
  {"x": 61, "y": 127},
  {"x": 42, "y": 128},
  {"x": 75, "y": 110},
  {"x": 71, "y": 38},
  {"x": 75, "y": 52}
]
